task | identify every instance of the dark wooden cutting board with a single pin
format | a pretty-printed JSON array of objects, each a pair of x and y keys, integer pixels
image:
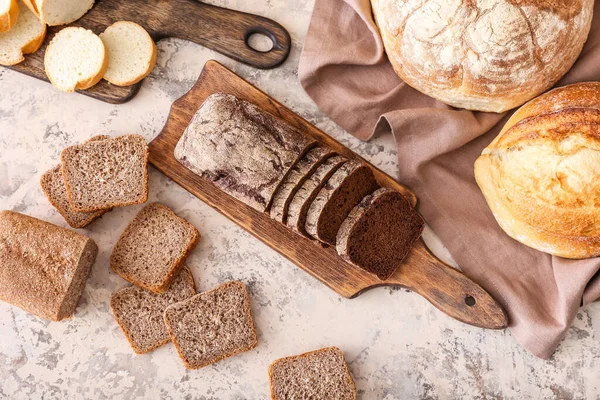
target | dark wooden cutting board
[
  {"x": 446, "y": 288},
  {"x": 220, "y": 29}
]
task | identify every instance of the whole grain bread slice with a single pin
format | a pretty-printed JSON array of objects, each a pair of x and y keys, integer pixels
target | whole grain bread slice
[
  {"x": 152, "y": 249},
  {"x": 379, "y": 232},
  {"x": 106, "y": 173},
  {"x": 139, "y": 312},
  {"x": 302, "y": 199},
  {"x": 298, "y": 174},
  {"x": 321, "y": 374},
  {"x": 53, "y": 186},
  {"x": 43, "y": 267},
  {"x": 343, "y": 190},
  {"x": 212, "y": 325}
]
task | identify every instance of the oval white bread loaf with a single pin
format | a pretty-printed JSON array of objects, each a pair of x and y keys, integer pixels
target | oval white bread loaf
[
  {"x": 131, "y": 53},
  {"x": 24, "y": 38},
  {"x": 9, "y": 13},
  {"x": 75, "y": 59},
  {"x": 59, "y": 12},
  {"x": 490, "y": 55},
  {"x": 541, "y": 175}
]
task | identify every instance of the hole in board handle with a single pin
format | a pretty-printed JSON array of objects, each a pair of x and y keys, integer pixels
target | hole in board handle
[
  {"x": 470, "y": 301},
  {"x": 260, "y": 42}
]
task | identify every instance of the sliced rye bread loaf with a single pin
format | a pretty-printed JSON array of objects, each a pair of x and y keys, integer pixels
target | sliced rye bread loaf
[
  {"x": 106, "y": 173},
  {"x": 343, "y": 190},
  {"x": 152, "y": 249},
  {"x": 379, "y": 232},
  {"x": 75, "y": 59},
  {"x": 300, "y": 203},
  {"x": 131, "y": 53},
  {"x": 9, "y": 13},
  {"x": 43, "y": 267},
  {"x": 25, "y": 37},
  {"x": 322, "y": 374},
  {"x": 243, "y": 150},
  {"x": 53, "y": 186},
  {"x": 298, "y": 174},
  {"x": 139, "y": 312},
  {"x": 212, "y": 325}
]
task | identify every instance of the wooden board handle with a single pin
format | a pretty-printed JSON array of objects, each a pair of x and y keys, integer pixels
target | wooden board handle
[
  {"x": 226, "y": 31},
  {"x": 448, "y": 289}
]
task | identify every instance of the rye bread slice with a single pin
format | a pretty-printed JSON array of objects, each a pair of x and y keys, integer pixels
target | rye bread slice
[
  {"x": 322, "y": 374},
  {"x": 53, "y": 186},
  {"x": 212, "y": 325},
  {"x": 106, "y": 173},
  {"x": 243, "y": 150},
  {"x": 139, "y": 312},
  {"x": 343, "y": 190},
  {"x": 153, "y": 247},
  {"x": 379, "y": 232},
  {"x": 298, "y": 174},
  {"x": 43, "y": 267},
  {"x": 300, "y": 203}
]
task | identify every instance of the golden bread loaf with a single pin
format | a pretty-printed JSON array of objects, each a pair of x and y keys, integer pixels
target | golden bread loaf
[
  {"x": 541, "y": 175},
  {"x": 487, "y": 55}
]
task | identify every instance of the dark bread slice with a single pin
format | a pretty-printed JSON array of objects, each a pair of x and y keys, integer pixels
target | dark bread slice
[
  {"x": 53, "y": 186},
  {"x": 213, "y": 325},
  {"x": 322, "y": 374},
  {"x": 43, "y": 267},
  {"x": 153, "y": 247},
  {"x": 343, "y": 190},
  {"x": 298, "y": 174},
  {"x": 106, "y": 173},
  {"x": 243, "y": 150},
  {"x": 379, "y": 232},
  {"x": 300, "y": 203},
  {"x": 139, "y": 312}
]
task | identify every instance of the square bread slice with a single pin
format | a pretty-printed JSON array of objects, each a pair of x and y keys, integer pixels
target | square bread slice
[
  {"x": 139, "y": 312},
  {"x": 322, "y": 374},
  {"x": 106, "y": 173},
  {"x": 153, "y": 247},
  {"x": 379, "y": 232},
  {"x": 212, "y": 326},
  {"x": 53, "y": 186}
]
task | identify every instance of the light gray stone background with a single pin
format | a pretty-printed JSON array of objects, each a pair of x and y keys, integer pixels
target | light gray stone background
[{"x": 397, "y": 345}]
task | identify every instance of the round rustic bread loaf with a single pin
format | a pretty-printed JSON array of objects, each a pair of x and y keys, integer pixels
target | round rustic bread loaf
[
  {"x": 541, "y": 175},
  {"x": 490, "y": 55}
]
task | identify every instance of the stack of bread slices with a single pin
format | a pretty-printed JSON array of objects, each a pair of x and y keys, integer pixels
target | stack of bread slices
[
  {"x": 274, "y": 168},
  {"x": 76, "y": 58}
]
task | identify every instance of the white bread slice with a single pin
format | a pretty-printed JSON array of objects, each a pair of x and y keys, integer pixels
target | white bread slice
[
  {"x": 60, "y": 12},
  {"x": 9, "y": 12},
  {"x": 75, "y": 59},
  {"x": 25, "y": 37},
  {"x": 131, "y": 53},
  {"x": 32, "y": 6}
]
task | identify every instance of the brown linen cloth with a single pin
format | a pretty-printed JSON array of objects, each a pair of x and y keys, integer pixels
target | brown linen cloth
[{"x": 345, "y": 71}]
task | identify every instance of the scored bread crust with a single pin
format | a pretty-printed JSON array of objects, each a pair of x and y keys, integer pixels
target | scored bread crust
[
  {"x": 137, "y": 350},
  {"x": 176, "y": 266},
  {"x": 84, "y": 82},
  {"x": 486, "y": 56},
  {"x": 32, "y": 45},
  {"x": 555, "y": 209},
  {"x": 9, "y": 18},
  {"x": 308, "y": 353},
  {"x": 248, "y": 313},
  {"x": 151, "y": 61}
]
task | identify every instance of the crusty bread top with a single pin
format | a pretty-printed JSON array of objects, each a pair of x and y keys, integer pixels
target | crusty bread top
[
  {"x": 75, "y": 59},
  {"x": 488, "y": 56},
  {"x": 62, "y": 12},
  {"x": 540, "y": 175},
  {"x": 321, "y": 374},
  {"x": 131, "y": 53},
  {"x": 9, "y": 13},
  {"x": 25, "y": 37}
]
